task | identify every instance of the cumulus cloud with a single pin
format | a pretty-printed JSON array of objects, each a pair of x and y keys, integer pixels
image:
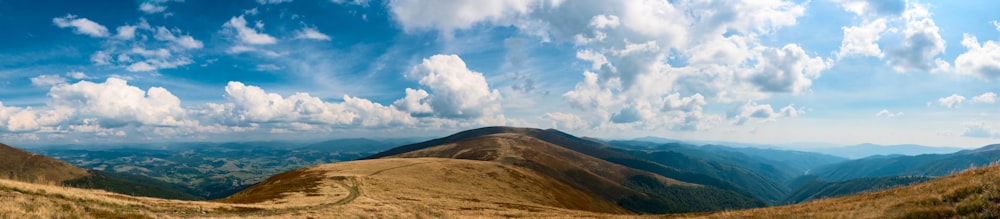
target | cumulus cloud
[
  {"x": 311, "y": 33},
  {"x": 788, "y": 69},
  {"x": 988, "y": 97},
  {"x": 921, "y": 42},
  {"x": 251, "y": 104},
  {"x": 951, "y": 101},
  {"x": 81, "y": 26},
  {"x": 888, "y": 114},
  {"x": 982, "y": 60},
  {"x": 862, "y": 40},
  {"x": 753, "y": 111},
  {"x": 47, "y": 80},
  {"x": 455, "y": 91},
  {"x": 246, "y": 34},
  {"x": 589, "y": 94},
  {"x": 115, "y": 103}
]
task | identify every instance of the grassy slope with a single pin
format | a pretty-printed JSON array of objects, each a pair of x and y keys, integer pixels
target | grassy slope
[
  {"x": 21, "y": 165},
  {"x": 970, "y": 194}
]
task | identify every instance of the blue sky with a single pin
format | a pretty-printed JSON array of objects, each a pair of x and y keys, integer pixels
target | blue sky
[{"x": 771, "y": 71}]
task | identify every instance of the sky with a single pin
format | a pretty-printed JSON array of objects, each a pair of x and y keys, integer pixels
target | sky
[{"x": 755, "y": 71}]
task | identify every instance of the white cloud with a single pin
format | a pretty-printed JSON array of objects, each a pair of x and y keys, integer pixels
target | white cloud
[
  {"x": 251, "y": 104},
  {"x": 565, "y": 121},
  {"x": 888, "y": 114},
  {"x": 788, "y": 69},
  {"x": 982, "y": 60},
  {"x": 951, "y": 101},
  {"x": 248, "y": 35},
  {"x": 265, "y": 2},
  {"x": 126, "y": 32},
  {"x": 115, "y": 103},
  {"x": 869, "y": 8},
  {"x": 448, "y": 16},
  {"x": 76, "y": 75},
  {"x": 988, "y": 97},
  {"x": 184, "y": 41},
  {"x": 151, "y": 8},
  {"x": 455, "y": 91},
  {"x": 753, "y": 111},
  {"x": 311, "y": 33},
  {"x": 414, "y": 103},
  {"x": 47, "y": 80},
  {"x": 921, "y": 42},
  {"x": 81, "y": 25},
  {"x": 862, "y": 40},
  {"x": 589, "y": 94}
]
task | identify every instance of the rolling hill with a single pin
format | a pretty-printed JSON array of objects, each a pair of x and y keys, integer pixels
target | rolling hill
[
  {"x": 968, "y": 194},
  {"x": 926, "y": 164},
  {"x": 25, "y": 166},
  {"x": 633, "y": 183}
]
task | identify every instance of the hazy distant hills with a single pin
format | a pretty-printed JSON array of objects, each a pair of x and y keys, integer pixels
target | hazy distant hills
[
  {"x": 215, "y": 170},
  {"x": 28, "y": 167},
  {"x": 927, "y": 164},
  {"x": 867, "y": 149}
]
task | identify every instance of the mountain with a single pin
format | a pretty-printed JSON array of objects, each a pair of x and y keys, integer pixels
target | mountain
[
  {"x": 571, "y": 160},
  {"x": 926, "y": 164},
  {"x": 25, "y": 166},
  {"x": 867, "y": 149},
  {"x": 816, "y": 188},
  {"x": 761, "y": 172},
  {"x": 28, "y": 167},
  {"x": 968, "y": 194}
]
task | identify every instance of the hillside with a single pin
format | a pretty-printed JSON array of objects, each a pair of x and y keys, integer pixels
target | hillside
[
  {"x": 927, "y": 165},
  {"x": 381, "y": 188},
  {"x": 25, "y": 166},
  {"x": 816, "y": 188},
  {"x": 969, "y": 194},
  {"x": 635, "y": 184}
]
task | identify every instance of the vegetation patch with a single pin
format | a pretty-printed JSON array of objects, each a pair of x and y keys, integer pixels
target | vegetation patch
[{"x": 276, "y": 187}]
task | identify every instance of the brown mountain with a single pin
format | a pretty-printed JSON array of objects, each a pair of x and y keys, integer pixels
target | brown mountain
[
  {"x": 569, "y": 172},
  {"x": 25, "y": 166}
]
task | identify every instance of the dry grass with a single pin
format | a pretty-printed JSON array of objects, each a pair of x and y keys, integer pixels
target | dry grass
[
  {"x": 973, "y": 193},
  {"x": 383, "y": 188}
]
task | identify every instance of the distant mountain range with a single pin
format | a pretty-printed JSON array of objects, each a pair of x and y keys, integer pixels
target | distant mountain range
[{"x": 25, "y": 166}]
